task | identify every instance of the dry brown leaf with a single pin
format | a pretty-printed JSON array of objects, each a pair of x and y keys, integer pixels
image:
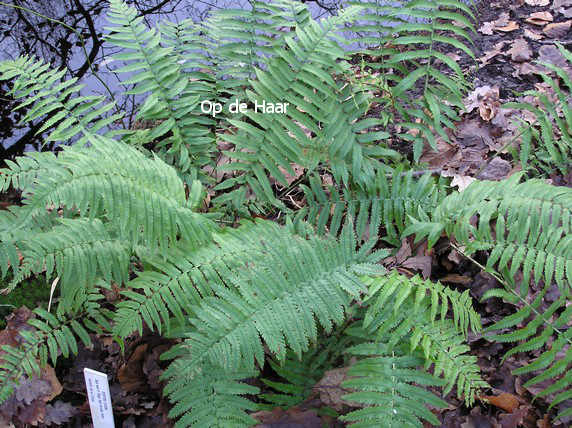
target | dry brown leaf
[
  {"x": 551, "y": 54},
  {"x": 329, "y": 388},
  {"x": 496, "y": 50},
  {"x": 532, "y": 35},
  {"x": 130, "y": 375},
  {"x": 506, "y": 401},
  {"x": 455, "y": 278},
  {"x": 520, "y": 51},
  {"x": 462, "y": 181},
  {"x": 511, "y": 26},
  {"x": 557, "y": 29},
  {"x": 537, "y": 2},
  {"x": 539, "y": 18},
  {"x": 501, "y": 24},
  {"x": 497, "y": 169},
  {"x": 49, "y": 375}
]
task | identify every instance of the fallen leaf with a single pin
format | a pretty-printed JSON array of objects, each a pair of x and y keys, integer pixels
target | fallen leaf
[
  {"x": 505, "y": 401},
  {"x": 29, "y": 390},
  {"x": 520, "y": 51},
  {"x": 539, "y": 18},
  {"x": 455, "y": 278},
  {"x": 49, "y": 375},
  {"x": 537, "y": 2},
  {"x": 532, "y": 35},
  {"x": 329, "y": 388},
  {"x": 501, "y": 24},
  {"x": 497, "y": 169},
  {"x": 293, "y": 417},
  {"x": 514, "y": 419},
  {"x": 462, "y": 181},
  {"x": 525, "y": 69},
  {"x": 33, "y": 414},
  {"x": 496, "y": 50},
  {"x": 130, "y": 375},
  {"x": 59, "y": 413},
  {"x": 511, "y": 26},
  {"x": 557, "y": 30},
  {"x": 551, "y": 54}
]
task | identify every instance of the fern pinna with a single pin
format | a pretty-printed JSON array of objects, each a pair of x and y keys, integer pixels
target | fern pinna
[{"x": 307, "y": 290}]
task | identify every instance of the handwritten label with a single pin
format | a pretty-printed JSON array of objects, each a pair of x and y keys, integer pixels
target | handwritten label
[{"x": 99, "y": 398}]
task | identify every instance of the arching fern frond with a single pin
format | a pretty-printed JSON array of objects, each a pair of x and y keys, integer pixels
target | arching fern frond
[
  {"x": 113, "y": 180},
  {"x": 155, "y": 70},
  {"x": 383, "y": 208},
  {"x": 78, "y": 252},
  {"x": 524, "y": 225},
  {"x": 550, "y": 147},
  {"x": 51, "y": 334},
  {"x": 425, "y": 325},
  {"x": 270, "y": 143},
  {"x": 41, "y": 90},
  {"x": 278, "y": 300},
  {"x": 536, "y": 327},
  {"x": 403, "y": 37},
  {"x": 173, "y": 285},
  {"x": 386, "y": 381}
]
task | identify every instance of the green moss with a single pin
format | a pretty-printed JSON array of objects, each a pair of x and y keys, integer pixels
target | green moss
[{"x": 31, "y": 293}]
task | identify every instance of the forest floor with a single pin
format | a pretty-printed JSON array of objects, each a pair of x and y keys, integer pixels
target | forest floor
[{"x": 514, "y": 40}]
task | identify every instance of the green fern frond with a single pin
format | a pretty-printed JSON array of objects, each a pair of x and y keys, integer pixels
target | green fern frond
[
  {"x": 44, "y": 93},
  {"x": 383, "y": 203},
  {"x": 211, "y": 397},
  {"x": 155, "y": 70},
  {"x": 425, "y": 325},
  {"x": 173, "y": 285},
  {"x": 550, "y": 147},
  {"x": 52, "y": 334},
  {"x": 266, "y": 143},
  {"x": 113, "y": 180},
  {"x": 385, "y": 380},
  {"x": 532, "y": 223},
  {"x": 244, "y": 39},
  {"x": 277, "y": 301},
  {"x": 403, "y": 37},
  {"x": 299, "y": 375},
  {"x": 78, "y": 252},
  {"x": 536, "y": 329}
]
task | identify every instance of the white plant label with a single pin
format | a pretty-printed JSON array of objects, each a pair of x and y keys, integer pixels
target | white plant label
[{"x": 99, "y": 398}]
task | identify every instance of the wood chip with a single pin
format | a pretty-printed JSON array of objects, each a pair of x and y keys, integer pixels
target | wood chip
[{"x": 537, "y": 2}]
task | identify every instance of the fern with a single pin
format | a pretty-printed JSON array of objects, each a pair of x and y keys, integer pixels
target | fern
[
  {"x": 383, "y": 203},
  {"x": 121, "y": 208},
  {"x": 51, "y": 334},
  {"x": 45, "y": 94},
  {"x": 156, "y": 70},
  {"x": 532, "y": 223},
  {"x": 403, "y": 37},
  {"x": 385, "y": 379},
  {"x": 550, "y": 147},
  {"x": 183, "y": 278},
  {"x": 111, "y": 179},
  {"x": 525, "y": 226}
]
